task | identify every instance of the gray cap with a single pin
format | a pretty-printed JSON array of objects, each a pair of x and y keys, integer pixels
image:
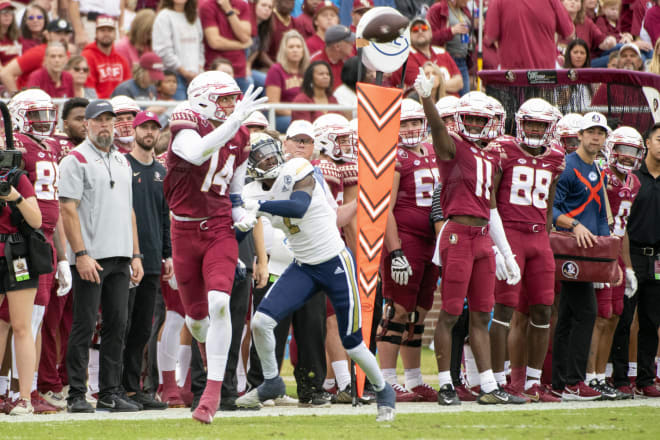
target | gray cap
[
  {"x": 98, "y": 107},
  {"x": 338, "y": 33}
]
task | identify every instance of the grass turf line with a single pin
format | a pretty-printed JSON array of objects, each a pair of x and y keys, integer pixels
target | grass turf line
[{"x": 595, "y": 423}]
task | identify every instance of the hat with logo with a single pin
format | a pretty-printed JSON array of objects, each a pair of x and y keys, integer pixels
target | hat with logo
[
  {"x": 338, "y": 33},
  {"x": 59, "y": 25},
  {"x": 594, "y": 119},
  {"x": 146, "y": 116},
  {"x": 154, "y": 64},
  {"x": 105, "y": 21},
  {"x": 97, "y": 108},
  {"x": 362, "y": 5}
]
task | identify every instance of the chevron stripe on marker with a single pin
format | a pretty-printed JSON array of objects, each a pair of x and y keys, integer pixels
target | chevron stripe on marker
[
  {"x": 379, "y": 120},
  {"x": 368, "y": 284},
  {"x": 377, "y": 167},
  {"x": 371, "y": 249},
  {"x": 374, "y": 210}
]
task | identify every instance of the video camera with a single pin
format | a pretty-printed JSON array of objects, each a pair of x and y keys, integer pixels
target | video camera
[{"x": 9, "y": 159}]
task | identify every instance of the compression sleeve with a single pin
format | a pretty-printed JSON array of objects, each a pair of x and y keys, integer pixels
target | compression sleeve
[
  {"x": 295, "y": 207},
  {"x": 193, "y": 148}
]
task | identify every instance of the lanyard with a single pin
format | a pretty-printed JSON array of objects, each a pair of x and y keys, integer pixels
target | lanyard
[{"x": 106, "y": 164}]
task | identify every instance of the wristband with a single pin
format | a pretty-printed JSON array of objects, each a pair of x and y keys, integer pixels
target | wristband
[
  {"x": 140, "y": 256},
  {"x": 19, "y": 200},
  {"x": 230, "y": 13},
  {"x": 81, "y": 253}
]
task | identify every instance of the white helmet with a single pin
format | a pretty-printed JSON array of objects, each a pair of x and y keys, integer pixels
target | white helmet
[
  {"x": 124, "y": 131},
  {"x": 566, "y": 131},
  {"x": 256, "y": 119},
  {"x": 447, "y": 109},
  {"x": 204, "y": 91},
  {"x": 539, "y": 110},
  {"x": 333, "y": 136},
  {"x": 500, "y": 117},
  {"x": 124, "y": 104},
  {"x": 263, "y": 147},
  {"x": 474, "y": 104},
  {"x": 625, "y": 143},
  {"x": 412, "y": 110},
  {"x": 33, "y": 112}
]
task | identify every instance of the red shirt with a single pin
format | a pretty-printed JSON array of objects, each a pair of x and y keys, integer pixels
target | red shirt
[
  {"x": 41, "y": 79},
  {"x": 438, "y": 17},
  {"x": 336, "y": 68},
  {"x": 639, "y": 9},
  {"x": 25, "y": 189},
  {"x": 212, "y": 16},
  {"x": 589, "y": 32},
  {"x": 277, "y": 29},
  {"x": 314, "y": 43},
  {"x": 305, "y": 25},
  {"x": 288, "y": 83},
  {"x": 309, "y": 115},
  {"x": 652, "y": 23},
  {"x": 9, "y": 50},
  {"x": 105, "y": 71},
  {"x": 417, "y": 59},
  {"x": 525, "y": 36},
  {"x": 29, "y": 62},
  {"x": 28, "y": 43},
  {"x": 605, "y": 27}
]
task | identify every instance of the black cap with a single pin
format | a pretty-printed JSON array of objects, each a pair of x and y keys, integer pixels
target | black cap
[
  {"x": 97, "y": 108},
  {"x": 59, "y": 25},
  {"x": 338, "y": 33}
]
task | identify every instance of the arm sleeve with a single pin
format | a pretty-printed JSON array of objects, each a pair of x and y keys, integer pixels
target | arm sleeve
[
  {"x": 436, "y": 208},
  {"x": 71, "y": 183},
  {"x": 295, "y": 207},
  {"x": 162, "y": 41},
  {"x": 193, "y": 148}
]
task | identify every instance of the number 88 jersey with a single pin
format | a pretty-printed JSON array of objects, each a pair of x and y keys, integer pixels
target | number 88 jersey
[
  {"x": 40, "y": 162},
  {"x": 526, "y": 180}
]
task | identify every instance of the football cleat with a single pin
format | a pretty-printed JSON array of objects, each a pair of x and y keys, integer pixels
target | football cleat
[
  {"x": 403, "y": 395},
  {"x": 447, "y": 395},
  {"x": 647, "y": 391},
  {"x": 499, "y": 396},
  {"x": 464, "y": 394},
  {"x": 538, "y": 393},
  {"x": 606, "y": 392},
  {"x": 386, "y": 401},
  {"x": 580, "y": 391},
  {"x": 426, "y": 393}
]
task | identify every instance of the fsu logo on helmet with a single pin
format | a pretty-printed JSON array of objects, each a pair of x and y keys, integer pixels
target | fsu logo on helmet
[{"x": 570, "y": 270}]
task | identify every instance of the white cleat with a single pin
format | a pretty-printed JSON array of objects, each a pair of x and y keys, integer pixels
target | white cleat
[
  {"x": 249, "y": 400},
  {"x": 385, "y": 414}
]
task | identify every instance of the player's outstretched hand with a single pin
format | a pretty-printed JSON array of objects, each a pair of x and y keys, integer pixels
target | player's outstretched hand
[
  {"x": 512, "y": 269},
  {"x": 423, "y": 84},
  {"x": 250, "y": 103},
  {"x": 631, "y": 283},
  {"x": 401, "y": 270},
  {"x": 500, "y": 265}
]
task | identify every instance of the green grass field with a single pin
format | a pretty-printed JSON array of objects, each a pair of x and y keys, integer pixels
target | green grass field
[{"x": 601, "y": 423}]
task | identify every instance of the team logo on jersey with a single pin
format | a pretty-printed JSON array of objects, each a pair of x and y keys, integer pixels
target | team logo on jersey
[
  {"x": 41, "y": 155},
  {"x": 403, "y": 154},
  {"x": 570, "y": 270},
  {"x": 453, "y": 238},
  {"x": 416, "y": 163},
  {"x": 593, "y": 176},
  {"x": 158, "y": 177},
  {"x": 522, "y": 161}
]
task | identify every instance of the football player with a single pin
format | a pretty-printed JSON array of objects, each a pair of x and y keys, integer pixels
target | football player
[
  {"x": 530, "y": 166},
  {"x": 567, "y": 132},
  {"x": 447, "y": 110},
  {"x": 408, "y": 275},
  {"x": 625, "y": 150},
  {"x": 292, "y": 196},
  {"x": 126, "y": 109},
  {"x": 464, "y": 247},
  {"x": 206, "y": 164}
]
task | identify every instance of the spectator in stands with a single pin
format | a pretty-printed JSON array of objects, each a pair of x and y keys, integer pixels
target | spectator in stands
[
  {"x": 263, "y": 12},
  {"x": 227, "y": 33},
  {"x": 138, "y": 40},
  {"x": 145, "y": 76},
  {"x": 280, "y": 23},
  {"x": 33, "y": 26},
  {"x": 591, "y": 9},
  {"x": 52, "y": 78},
  {"x": 178, "y": 39},
  {"x": 14, "y": 75},
  {"x": 304, "y": 23},
  {"x": 286, "y": 76},
  {"x": 524, "y": 37},
  {"x": 652, "y": 21},
  {"x": 630, "y": 58},
  {"x": 359, "y": 8},
  {"x": 107, "y": 69},
  {"x": 10, "y": 47},
  {"x": 167, "y": 87},
  {"x": 223, "y": 65},
  {"x": 450, "y": 21},
  {"x": 339, "y": 41},
  {"x": 79, "y": 70},
  {"x": 83, "y": 15},
  {"x": 641, "y": 37},
  {"x": 587, "y": 29},
  {"x": 577, "y": 55},
  {"x": 613, "y": 61},
  {"x": 325, "y": 16},
  {"x": 608, "y": 21},
  {"x": 654, "y": 65},
  {"x": 316, "y": 89}
]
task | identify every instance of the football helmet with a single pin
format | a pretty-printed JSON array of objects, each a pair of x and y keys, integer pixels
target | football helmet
[
  {"x": 334, "y": 137},
  {"x": 566, "y": 131},
  {"x": 625, "y": 144},
  {"x": 124, "y": 131},
  {"x": 266, "y": 157},
  {"x": 412, "y": 110},
  {"x": 536, "y": 110},
  {"x": 474, "y": 104},
  {"x": 33, "y": 112},
  {"x": 500, "y": 117},
  {"x": 256, "y": 119},
  {"x": 204, "y": 91},
  {"x": 447, "y": 110}
]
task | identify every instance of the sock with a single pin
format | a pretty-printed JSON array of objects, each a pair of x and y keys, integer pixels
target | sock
[
  {"x": 389, "y": 374},
  {"x": 218, "y": 337},
  {"x": 471, "y": 369},
  {"x": 34, "y": 381},
  {"x": 632, "y": 369},
  {"x": 518, "y": 377},
  {"x": 264, "y": 341},
  {"x": 183, "y": 365},
  {"x": 608, "y": 369},
  {"x": 500, "y": 378},
  {"x": 600, "y": 377},
  {"x": 342, "y": 375},
  {"x": 487, "y": 381},
  {"x": 169, "y": 341},
  {"x": 367, "y": 361},
  {"x": 534, "y": 377},
  {"x": 413, "y": 378},
  {"x": 657, "y": 367},
  {"x": 93, "y": 371},
  {"x": 507, "y": 367},
  {"x": 444, "y": 378},
  {"x": 328, "y": 384},
  {"x": 4, "y": 385},
  {"x": 590, "y": 377}
]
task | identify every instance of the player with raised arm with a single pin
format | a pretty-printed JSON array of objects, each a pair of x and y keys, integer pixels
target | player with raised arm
[
  {"x": 292, "y": 196},
  {"x": 206, "y": 165},
  {"x": 464, "y": 246},
  {"x": 531, "y": 164}
]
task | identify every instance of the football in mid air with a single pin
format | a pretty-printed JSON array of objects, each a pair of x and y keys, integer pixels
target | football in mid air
[{"x": 383, "y": 25}]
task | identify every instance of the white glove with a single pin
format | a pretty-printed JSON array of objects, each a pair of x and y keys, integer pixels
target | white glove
[
  {"x": 601, "y": 285},
  {"x": 401, "y": 270},
  {"x": 423, "y": 84},
  {"x": 512, "y": 269},
  {"x": 63, "y": 277},
  {"x": 172, "y": 282},
  {"x": 246, "y": 222},
  {"x": 500, "y": 265},
  {"x": 631, "y": 283},
  {"x": 252, "y": 206},
  {"x": 245, "y": 217},
  {"x": 250, "y": 103}
]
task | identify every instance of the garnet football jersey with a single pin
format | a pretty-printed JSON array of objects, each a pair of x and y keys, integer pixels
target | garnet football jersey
[
  {"x": 467, "y": 180},
  {"x": 349, "y": 173},
  {"x": 333, "y": 178},
  {"x": 40, "y": 162},
  {"x": 64, "y": 145},
  {"x": 621, "y": 196},
  {"x": 526, "y": 180},
  {"x": 200, "y": 191},
  {"x": 418, "y": 178}
]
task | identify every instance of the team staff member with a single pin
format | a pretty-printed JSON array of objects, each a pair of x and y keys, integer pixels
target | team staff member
[
  {"x": 644, "y": 236},
  {"x": 96, "y": 202},
  {"x": 153, "y": 224},
  {"x": 579, "y": 206}
]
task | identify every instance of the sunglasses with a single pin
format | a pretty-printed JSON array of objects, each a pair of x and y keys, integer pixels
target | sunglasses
[
  {"x": 81, "y": 69},
  {"x": 419, "y": 27},
  {"x": 35, "y": 17}
]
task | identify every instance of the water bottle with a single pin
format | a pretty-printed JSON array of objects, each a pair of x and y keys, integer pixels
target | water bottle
[{"x": 465, "y": 38}]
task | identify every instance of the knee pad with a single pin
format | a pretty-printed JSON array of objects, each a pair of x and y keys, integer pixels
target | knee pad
[
  {"x": 198, "y": 328},
  {"x": 262, "y": 323},
  {"x": 416, "y": 330},
  {"x": 389, "y": 326},
  {"x": 218, "y": 304}
]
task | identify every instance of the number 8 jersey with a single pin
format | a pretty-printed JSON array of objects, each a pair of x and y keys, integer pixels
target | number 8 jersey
[{"x": 621, "y": 196}]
